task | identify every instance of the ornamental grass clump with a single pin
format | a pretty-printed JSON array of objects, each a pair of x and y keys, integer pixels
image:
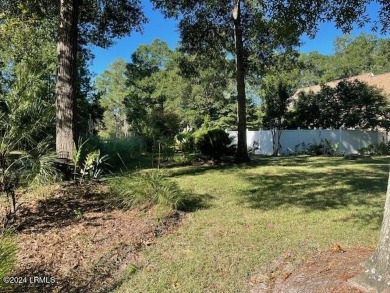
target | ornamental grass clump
[
  {"x": 147, "y": 188},
  {"x": 7, "y": 255}
]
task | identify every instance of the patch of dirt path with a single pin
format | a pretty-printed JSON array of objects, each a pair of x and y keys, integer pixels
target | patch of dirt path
[
  {"x": 80, "y": 243},
  {"x": 324, "y": 272}
]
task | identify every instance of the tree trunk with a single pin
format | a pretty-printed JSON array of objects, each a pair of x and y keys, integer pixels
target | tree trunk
[
  {"x": 66, "y": 78},
  {"x": 242, "y": 151},
  {"x": 376, "y": 277}
]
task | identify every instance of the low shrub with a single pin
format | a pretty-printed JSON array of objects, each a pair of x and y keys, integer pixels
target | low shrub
[
  {"x": 324, "y": 147},
  {"x": 380, "y": 149},
  {"x": 185, "y": 142},
  {"x": 213, "y": 143},
  {"x": 186, "y": 159},
  {"x": 146, "y": 188}
]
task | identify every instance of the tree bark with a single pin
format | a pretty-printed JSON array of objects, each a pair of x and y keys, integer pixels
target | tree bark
[
  {"x": 66, "y": 78},
  {"x": 376, "y": 277},
  {"x": 242, "y": 151}
]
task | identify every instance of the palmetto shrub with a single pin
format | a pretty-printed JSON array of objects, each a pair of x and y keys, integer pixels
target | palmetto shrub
[
  {"x": 7, "y": 256},
  {"x": 213, "y": 143}
]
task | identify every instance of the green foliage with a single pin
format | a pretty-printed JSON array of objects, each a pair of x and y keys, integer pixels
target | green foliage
[
  {"x": 213, "y": 143},
  {"x": 22, "y": 157},
  {"x": 78, "y": 157},
  {"x": 186, "y": 158},
  {"x": 185, "y": 142},
  {"x": 380, "y": 149},
  {"x": 98, "y": 23},
  {"x": 247, "y": 221},
  {"x": 165, "y": 90},
  {"x": 226, "y": 114},
  {"x": 351, "y": 104},
  {"x": 7, "y": 256},
  {"x": 277, "y": 97},
  {"x": 88, "y": 164},
  {"x": 354, "y": 56},
  {"x": 162, "y": 125},
  {"x": 152, "y": 86},
  {"x": 147, "y": 188},
  {"x": 27, "y": 75},
  {"x": 112, "y": 86},
  {"x": 93, "y": 165},
  {"x": 43, "y": 169},
  {"x": 121, "y": 152},
  {"x": 324, "y": 147}
]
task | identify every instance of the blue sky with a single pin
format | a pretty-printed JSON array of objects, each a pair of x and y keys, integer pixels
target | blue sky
[{"x": 165, "y": 29}]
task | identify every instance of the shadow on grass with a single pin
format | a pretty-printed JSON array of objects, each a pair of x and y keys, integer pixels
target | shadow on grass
[
  {"x": 63, "y": 208},
  {"x": 222, "y": 167},
  {"x": 319, "y": 161},
  {"x": 321, "y": 190},
  {"x": 72, "y": 201},
  {"x": 294, "y": 161},
  {"x": 194, "y": 202}
]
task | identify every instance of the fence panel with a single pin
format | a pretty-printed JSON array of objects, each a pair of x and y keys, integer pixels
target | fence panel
[{"x": 293, "y": 141}]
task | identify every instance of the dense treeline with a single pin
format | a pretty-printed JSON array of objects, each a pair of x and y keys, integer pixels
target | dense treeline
[{"x": 161, "y": 92}]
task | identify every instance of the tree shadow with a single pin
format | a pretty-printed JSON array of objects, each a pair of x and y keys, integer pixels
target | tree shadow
[
  {"x": 64, "y": 208},
  {"x": 195, "y": 201},
  {"x": 221, "y": 167},
  {"x": 49, "y": 279},
  {"x": 312, "y": 190},
  {"x": 319, "y": 161},
  {"x": 69, "y": 204}
]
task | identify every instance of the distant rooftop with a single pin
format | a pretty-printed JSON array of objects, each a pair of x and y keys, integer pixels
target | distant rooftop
[{"x": 381, "y": 81}]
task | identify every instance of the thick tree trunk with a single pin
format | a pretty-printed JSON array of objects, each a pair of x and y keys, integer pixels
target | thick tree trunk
[
  {"x": 242, "y": 151},
  {"x": 376, "y": 277},
  {"x": 66, "y": 78}
]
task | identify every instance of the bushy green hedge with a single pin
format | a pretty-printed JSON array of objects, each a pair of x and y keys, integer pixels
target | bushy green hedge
[{"x": 213, "y": 143}]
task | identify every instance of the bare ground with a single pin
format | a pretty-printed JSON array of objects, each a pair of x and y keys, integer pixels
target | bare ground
[
  {"x": 324, "y": 272},
  {"x": 80, "y": 242}
]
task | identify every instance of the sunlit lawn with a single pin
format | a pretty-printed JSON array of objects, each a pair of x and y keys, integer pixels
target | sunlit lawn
[{"x": 251, "y": 214}]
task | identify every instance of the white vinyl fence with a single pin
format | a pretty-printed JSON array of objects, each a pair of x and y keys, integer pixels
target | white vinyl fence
[{"x": 293, "y": 141}]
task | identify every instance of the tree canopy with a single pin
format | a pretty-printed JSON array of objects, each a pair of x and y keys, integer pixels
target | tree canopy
[
  {"x": 160, "y": 80},
  {"x": 353, "y": 56}
]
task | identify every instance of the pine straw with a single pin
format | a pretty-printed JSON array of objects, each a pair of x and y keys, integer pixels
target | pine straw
[{"x": 81, "y": 240}]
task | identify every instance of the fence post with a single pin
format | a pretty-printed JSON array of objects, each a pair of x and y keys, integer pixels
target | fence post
[{"x": 340, "y": 144}]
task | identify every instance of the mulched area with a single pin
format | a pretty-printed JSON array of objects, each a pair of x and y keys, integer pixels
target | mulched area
[
  {"x": 80, "y": 242},
  {"x": 323, "y": 272}
]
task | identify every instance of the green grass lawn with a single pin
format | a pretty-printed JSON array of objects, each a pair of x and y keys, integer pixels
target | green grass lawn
[{"x": 253, "y": 213}]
